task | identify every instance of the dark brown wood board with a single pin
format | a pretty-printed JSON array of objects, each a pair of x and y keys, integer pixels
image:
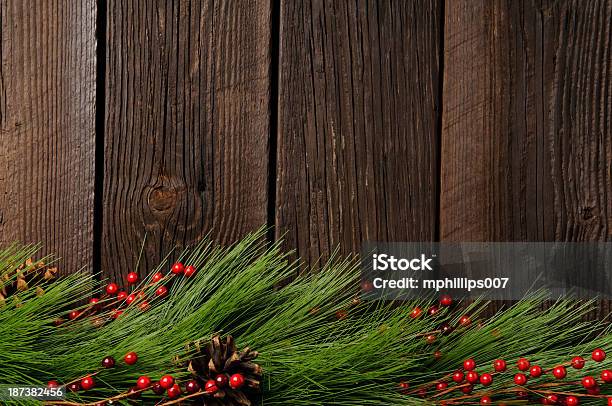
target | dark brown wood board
[
  {"x": 357, "y": 118},
  {"x": 47, "y": 127},
  {"x": 526, "y": 138},
  {"x": 186, "y": 128}
]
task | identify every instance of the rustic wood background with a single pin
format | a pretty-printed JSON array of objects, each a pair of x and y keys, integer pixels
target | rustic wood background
[{"x": 333, "y": 121}]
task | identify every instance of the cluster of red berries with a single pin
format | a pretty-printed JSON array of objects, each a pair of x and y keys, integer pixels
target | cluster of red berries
[
  {"x": 166, "y": 384},
  {"x": 88, "y": 381},
  {"x": 467, "y": 377},
  {"x": 445, "y": 301},
  {"x": 112, "y": 289},
  {"x": 132, "y": 278},
  {"x": 560, "y": 372}
]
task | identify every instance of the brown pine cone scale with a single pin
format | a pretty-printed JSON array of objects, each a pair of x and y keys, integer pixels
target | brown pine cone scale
[{"x": 221, "y": 357}]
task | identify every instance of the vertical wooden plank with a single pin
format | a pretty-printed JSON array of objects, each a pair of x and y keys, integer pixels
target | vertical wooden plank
[
  {"x": 358, "y": 101},
  {"x": 47, "y": 126},
  {"x": 526, "y": 135},
  {"x": 187, "y": 126},
  {"x": 526, "y": 140}
]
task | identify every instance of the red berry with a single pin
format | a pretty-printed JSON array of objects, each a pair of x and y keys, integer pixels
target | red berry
[
  {"x": 192, "y": 386},
  {"x": 74, "y": 387},
  {"x": 589, "y": 382},
  {"x": 52, "y": 384},
  {"x": 132, "y": 277},
  {"x": 416, "y": 312},
  {"x": 144, "y": 306},
  {"x": 458, "y": 376},
  {"x": 523, "y": 364},
  {"x": 446, "y": 328},
  {"x": 341, "y": 314},
  {"x": 94, "y": 300},
  {"x": 174, "y": 391},
  {"x": 520, "y": 379},
  {"x": 143, "y": 382},
  {"x": 606, "y": 376},
  {"x": 595, "y": 390},
  {"x": 469, "y": 364},
  {"x": 87, "y": 383},
  {"x": 221, "y": 380},
  {"x": 112, "y": 288},
  {"x": 73, "y": 314},
  {"x": 610, "y": 401},
  {"x": 550, "y": 399},
  {"x": 161, "y": 291},
  {"x": 441, "y": 385},
  {"x": 130, "y": 358},
  {"x": 572, "y": 401},
  {"x": 598, "y": 355},
  {"x": 116, "y": 313},
  {"x": 433, "y": 310},
  {"x": 559, "y": 372},
  {"x": 122, "y": 295},
  {"x": 437, "y": 354},
  {"x": 403, "y": 385},
  {"x": 236, "y": 381},
  {"x": 367, "y": 286},
  {"x": 467, "y": 389},
  {"x": 485, "y": 400},
  {"x": 430, "y": 339},
  {"x": 108, "y": 362},
  {"x": 178, "y": 268},
  {"x": 157, "y": 388},
  {"x": 166, "y": 381},
  {"x": 190, "y": 271},
  {"x": 535, "y": 371},
  {"x": 134, "y": 393},
  {"x": 465, "y": 320},
  {"x": 471, "y": 377},
  {"x": 446, "y": 300},
  {"x": 486, "y": 379},
  {"x": 499, "y": 365},
  {"x": 157, "y": 276},
  {"x": 578, "y": 362},
  {"x": 210, "y": 386},
  {"x": 130, "y": 298}
]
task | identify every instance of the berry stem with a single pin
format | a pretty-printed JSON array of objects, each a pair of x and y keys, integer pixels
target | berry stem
[{"x": 181, "y": 399}]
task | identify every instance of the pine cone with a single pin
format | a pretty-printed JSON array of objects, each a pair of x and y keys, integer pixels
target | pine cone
[{"x": 221, "y": 357}]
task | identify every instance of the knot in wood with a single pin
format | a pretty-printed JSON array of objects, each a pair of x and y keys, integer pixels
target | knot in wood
[{"x": 163, "y": 198}]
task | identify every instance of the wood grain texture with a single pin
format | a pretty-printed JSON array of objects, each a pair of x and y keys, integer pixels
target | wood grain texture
[
  {"x": 358, "y": 100},
  {"x": 187, "y": 126},
  {"x": 47, "y": 127},
  {"x": 526, "y": 136}
]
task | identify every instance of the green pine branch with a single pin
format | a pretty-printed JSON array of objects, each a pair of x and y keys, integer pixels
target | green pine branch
[{"x": 309, "y": 356}]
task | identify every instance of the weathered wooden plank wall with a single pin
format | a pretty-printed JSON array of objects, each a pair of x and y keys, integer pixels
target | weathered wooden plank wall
[
  {"x": 526, "y": 137},
  {"x": 187, "y": 126},
  {"x": 334, "y": 121},
  {"x": 357, "y": 130},
  {"x": 47, "y": 120}
]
